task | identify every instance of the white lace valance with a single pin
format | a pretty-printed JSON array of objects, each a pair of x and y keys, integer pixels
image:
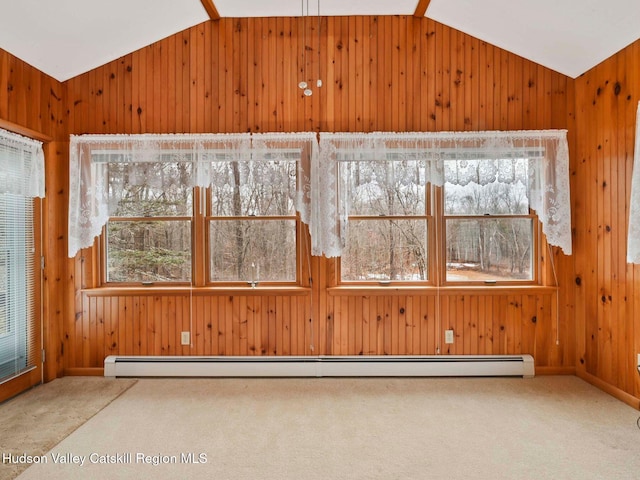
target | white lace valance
[
  {"x": 21, "y": 165},
  {"x": 91, "y": 155},
  {"x": 633, "y": 238},
  {"x": 481, "y": 157}
]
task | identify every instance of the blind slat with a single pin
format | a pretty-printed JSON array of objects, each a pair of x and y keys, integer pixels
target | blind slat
[{"x": 18, "y": 339}]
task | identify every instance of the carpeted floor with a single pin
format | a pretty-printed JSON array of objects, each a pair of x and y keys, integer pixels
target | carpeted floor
[
  {"x": 40, "y": 418},
  {"x": 371, "y": 428}
]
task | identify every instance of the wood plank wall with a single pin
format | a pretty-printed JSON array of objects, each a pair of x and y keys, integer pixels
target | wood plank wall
[
  {"x": 376, "y": 323},
  {"x": 608, "y": 289},
  {"x": 29, "y": 98},
  {"x": 379, "y": 73}
]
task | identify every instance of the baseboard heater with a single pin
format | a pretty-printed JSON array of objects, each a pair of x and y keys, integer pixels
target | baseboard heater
[{"x": 321, "y": 366}]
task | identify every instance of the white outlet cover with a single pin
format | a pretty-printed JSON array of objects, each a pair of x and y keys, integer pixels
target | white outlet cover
[
  {"x": 185, "y": 339},
  {"x": 448, "y": 336}
]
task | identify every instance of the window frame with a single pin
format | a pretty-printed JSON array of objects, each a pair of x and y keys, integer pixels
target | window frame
[
  {"x": 437, "y": 246},
  {"x": 535, "y": 248},
  {"x": 208, "y": 218},
  {"x": 200, "y": 247},
  {"x": 104, "y": 250},
  {"x": 428, "y": 220}
]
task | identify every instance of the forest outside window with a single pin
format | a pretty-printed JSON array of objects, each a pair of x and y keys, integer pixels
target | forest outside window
[
  {"x": 252, "y": 223},
  {"x": 149, "y": 233},
  {"x": 486, "y": 227},
  {"x": 386, "y": 231},
  {"x": 202, "y": 209},
  {"x": 416, "y": 207},
  {"x": 441, "y": 207},
  {"x": 489, "y": 229}
]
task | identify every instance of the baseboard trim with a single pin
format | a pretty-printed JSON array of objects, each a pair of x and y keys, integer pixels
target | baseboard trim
[
  {"x": 555, "y": 370},
  {"x": 20, "y": 384},
  {"x": 610, "y": 389},
  {"x": 321, "y": 366},
  {"x": 84, "y": 372}
]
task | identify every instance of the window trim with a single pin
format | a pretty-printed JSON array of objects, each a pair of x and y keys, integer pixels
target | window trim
[
  {"x": 428, "y": 219},
  {"x": 200, "y": 251},
  {"x": 437, "y": 249},
  {"x": 535, "y": 259},
  {"x": 103, "y": 247},
  {"x": 206, "y": 246}
]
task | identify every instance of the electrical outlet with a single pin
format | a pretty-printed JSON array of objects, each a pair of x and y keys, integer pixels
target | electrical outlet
[
  {"x": 638, "y": 360},
  {"x": 448, "y": 336},
  {"x": 185, "y": 338}
]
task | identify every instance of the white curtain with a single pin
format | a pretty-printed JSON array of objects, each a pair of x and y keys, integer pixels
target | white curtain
[
  {"x": 633, "y": 239},
  {"x": 21, "y": 165},
  {"x": 317, "y": 176},
  {"x": 483, "y": 157},
  {"x": 90, "y": 156},
  {"x": 302, "y": 147}
]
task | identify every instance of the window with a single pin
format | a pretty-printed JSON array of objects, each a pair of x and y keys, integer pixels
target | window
[
  {"x": 191, "y": 209},
  {"x": 386, "y": 237},
  {"x": 450, "y": 207},
  {"x": 394, "y": 207},
  {"x": 252, "y": 221},
  {"x": 489, "y": 230},
  {"x": 148, "y": 236}
]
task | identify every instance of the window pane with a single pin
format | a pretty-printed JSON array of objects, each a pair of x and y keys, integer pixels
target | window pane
[
  {"x": 384, "y": 188},
  {"x": 150, "y": 189},
  {"x": 149, "y": 251},
  {"x": 386, "y": 249},
  {"x": 489, "y": 249},
  {"x": 17, "y": 285},
  {"x": 253, "y": 188},
  {"x": 479, "y": 187},
  {"x": 253, "y": 250}
]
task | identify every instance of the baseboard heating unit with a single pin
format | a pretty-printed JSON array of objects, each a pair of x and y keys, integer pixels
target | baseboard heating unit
[{"x": 322, "y": 366}]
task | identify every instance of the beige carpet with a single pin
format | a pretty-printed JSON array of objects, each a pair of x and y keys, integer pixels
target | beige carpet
[
  {"x": 39, "y": 419},
  {"x": 375, "y": 428}
]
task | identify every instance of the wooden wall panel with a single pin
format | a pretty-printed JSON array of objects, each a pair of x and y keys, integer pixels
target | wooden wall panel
[
  {"x": 379, "y": 73},
  {"x": 139, "y": 323},
  {"x": 31, "y": 99},
  {"x": 151, "y": 324},
  {"x": 608, "y": 329}
]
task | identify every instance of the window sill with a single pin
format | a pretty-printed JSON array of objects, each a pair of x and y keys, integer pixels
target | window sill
[
  {"x": 196, "y": 291},
  {"x": 431, "y": 290}
]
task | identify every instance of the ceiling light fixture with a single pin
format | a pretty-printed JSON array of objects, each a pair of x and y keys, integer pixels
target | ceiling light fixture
[{"x": 304, "y": 85}]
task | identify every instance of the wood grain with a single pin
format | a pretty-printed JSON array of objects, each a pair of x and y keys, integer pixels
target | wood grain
[{"x": 379, "y": 73}]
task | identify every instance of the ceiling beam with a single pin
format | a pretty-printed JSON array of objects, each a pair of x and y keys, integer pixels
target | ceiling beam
[
  {"x": 421, "y": 9},
  {"x": 211, "y": 9}
]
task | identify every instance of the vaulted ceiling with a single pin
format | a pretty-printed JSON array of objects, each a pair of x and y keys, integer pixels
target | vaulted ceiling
[{"x": 65, "y": 38}]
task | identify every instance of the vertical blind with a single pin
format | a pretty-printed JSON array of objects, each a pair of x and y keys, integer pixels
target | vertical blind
[{"x": 21, "y": 179}]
